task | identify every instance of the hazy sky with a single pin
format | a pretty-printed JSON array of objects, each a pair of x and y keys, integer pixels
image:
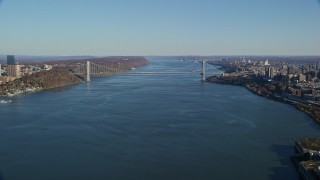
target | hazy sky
[{"x": 160, "y": 27}]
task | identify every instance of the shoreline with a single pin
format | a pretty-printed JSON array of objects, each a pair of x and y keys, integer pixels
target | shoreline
[
  {"x": 35, "y": 90},
  {"x": 57, "y": 77},
  {"x": 61, "y": 76},
  {"x": 309, "y": 110}
]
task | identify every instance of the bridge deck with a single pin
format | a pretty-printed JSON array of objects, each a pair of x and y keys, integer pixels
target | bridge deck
[
  {"x": 159, "y": 72},
  {"x": 97, "y": 70},
  {"x": 136, "y": 73}
]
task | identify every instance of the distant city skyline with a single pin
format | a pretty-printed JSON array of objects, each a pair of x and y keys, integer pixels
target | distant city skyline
[{"x": 167, "y": 27}]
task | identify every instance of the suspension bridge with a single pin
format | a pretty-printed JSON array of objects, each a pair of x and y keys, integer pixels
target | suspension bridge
[{"x": 89, "y": 69}]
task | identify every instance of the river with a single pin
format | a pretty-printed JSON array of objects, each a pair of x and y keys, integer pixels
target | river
[{"x": 149, "y": 127}]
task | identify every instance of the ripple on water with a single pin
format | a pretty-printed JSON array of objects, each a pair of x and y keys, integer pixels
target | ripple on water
[{"x": 149, "y": 127}]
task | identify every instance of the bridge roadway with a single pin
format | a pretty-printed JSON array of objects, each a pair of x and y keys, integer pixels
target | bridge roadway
[
  {"x": 129, "y": 73},
  {"x": 164, "y": 72},
  {"x": 99, "y": 70}
]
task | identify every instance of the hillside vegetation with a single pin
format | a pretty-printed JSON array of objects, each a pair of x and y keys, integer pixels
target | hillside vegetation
[{"x": 56, "y": 77}]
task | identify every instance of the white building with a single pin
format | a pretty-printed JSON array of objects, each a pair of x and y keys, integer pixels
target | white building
[{"x": 47, "y": 67}]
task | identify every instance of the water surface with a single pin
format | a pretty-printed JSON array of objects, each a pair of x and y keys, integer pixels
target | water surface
[{"x": 149, "y": 127}]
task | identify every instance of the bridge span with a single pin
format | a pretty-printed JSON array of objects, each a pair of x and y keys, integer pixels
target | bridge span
[{"x": 91, "y": 69}]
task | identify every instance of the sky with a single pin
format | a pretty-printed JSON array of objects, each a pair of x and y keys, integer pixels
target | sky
[{"x": 160, "y": 27}]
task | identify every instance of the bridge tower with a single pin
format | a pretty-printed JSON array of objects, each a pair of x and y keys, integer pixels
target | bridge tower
[
  {"x": 203, "y": 74},
  {"x": 88, "y": 71}
]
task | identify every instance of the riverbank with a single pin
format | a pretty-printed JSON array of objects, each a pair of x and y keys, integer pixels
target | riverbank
[
  {"x": 257, "y": 86},
  {"x": 56, "y": 77},
  {"x": 63, "y": 74}
]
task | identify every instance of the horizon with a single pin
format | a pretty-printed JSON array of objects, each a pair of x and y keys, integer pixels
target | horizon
[
  {"x": 98, "y": 56},
  {"x": 195, "y": 55},
  {"x": 160, "y": 28}
]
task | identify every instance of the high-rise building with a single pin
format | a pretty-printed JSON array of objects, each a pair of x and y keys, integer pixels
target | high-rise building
[
  {"x": 14, "y": 71},
  {"x": 309, "y": 67},
  {"x": 269, "y": 72},
  {"x": 303, "y": 69},
  {"x": 308, "y": 77},
  {"x": 11, "y": 60},
  {"x": 291, "y": 70},
  {"x": 0, "y": 70}
]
